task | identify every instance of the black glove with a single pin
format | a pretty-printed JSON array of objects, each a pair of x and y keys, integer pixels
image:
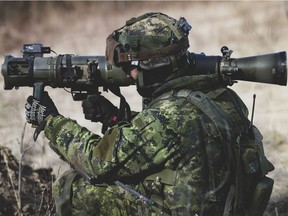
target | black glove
[
  {"x": 97, "y": 108},
  {"x": 37, "y": 111}
]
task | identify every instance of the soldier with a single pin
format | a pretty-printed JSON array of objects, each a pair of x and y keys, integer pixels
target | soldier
[{"x": 190, "y": 151}]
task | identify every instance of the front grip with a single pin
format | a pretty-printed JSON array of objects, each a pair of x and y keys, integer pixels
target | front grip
[{"x": 38, "y": 90}]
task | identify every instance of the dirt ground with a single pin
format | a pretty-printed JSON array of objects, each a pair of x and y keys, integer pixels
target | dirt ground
[
  {"x": 247, "y": 27},
  {"x": 26, "y": 194}
]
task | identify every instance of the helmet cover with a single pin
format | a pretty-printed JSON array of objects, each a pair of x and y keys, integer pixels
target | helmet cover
[{"x": 152, "y": 35}]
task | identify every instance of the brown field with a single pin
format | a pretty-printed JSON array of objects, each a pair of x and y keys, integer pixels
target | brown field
[{"x": 247, "y": 27}]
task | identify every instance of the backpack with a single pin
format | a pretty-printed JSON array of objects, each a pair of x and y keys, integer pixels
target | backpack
[{"x": 250, "y": 188}]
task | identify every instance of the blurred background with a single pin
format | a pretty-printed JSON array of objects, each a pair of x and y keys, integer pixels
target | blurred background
[{"x": 247, "y": 27}]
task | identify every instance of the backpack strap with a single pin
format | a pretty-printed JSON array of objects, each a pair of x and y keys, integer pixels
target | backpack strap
[{"x": 236, "y": 101}]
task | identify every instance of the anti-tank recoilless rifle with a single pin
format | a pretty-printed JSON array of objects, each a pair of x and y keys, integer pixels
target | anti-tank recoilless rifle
[{"x": 85, "y": 74}]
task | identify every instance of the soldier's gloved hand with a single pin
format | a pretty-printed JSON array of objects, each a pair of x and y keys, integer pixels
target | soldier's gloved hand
[
  {"x": 38, "y": 111},
  {"x": 97, "y": 108}
]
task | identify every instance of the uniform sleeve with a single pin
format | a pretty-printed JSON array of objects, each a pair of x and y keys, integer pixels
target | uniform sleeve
[
  {"x": 84, "y": 150},
  {"x": 125, "y": 150}
]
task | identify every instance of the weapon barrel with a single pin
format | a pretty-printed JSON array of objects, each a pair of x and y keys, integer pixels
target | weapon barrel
[{"x": 269, "y": 68}]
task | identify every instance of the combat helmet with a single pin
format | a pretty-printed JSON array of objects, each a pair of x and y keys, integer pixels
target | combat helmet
[{"x": 150, "y": 41}]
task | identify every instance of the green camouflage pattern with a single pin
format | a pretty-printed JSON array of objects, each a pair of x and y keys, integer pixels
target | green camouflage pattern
[
  {"x": 169, "y": 135},
  {"x": 91, "y": 200},
  {"x": 149, "y": 24},
  {"x": 149, "y": 32}
]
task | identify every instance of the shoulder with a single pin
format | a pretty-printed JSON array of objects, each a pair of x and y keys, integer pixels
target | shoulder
[
  {"x": 167, "y": 113},
  {"x": 174, "y": 102}
]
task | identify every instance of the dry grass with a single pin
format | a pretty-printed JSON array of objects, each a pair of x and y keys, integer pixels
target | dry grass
[{"x": 249, "y": 28}]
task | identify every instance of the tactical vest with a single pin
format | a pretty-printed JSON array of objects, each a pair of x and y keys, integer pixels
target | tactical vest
[{"x": 247, "y": 165}]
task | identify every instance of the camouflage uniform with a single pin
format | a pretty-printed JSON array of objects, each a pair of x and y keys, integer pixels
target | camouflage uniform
[
  {"x": 173, "y": 152},
  {"x": 169, "y": 135}
]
